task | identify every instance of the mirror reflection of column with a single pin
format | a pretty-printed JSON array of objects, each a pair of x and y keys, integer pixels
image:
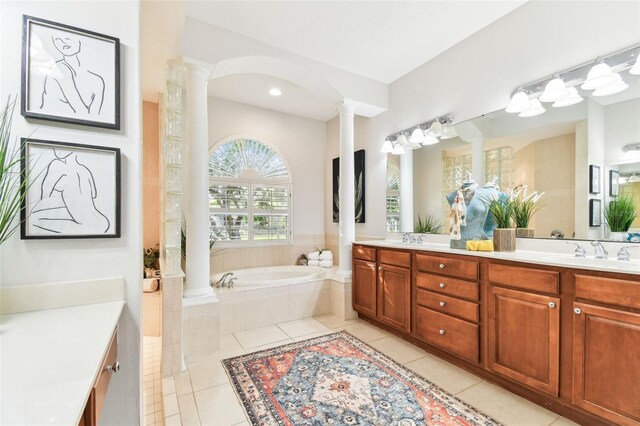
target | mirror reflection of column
[
  {"x": 477, "y": 159},
  {"x": 406, "y": 191}
]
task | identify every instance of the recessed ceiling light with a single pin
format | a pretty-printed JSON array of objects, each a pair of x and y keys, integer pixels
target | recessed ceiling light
[{"x": 275, "y": 92}]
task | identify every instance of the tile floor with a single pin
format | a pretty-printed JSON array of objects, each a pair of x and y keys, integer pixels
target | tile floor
[
  {"x": 202, "y": 395},
  {"x": 152, "y": 384}
]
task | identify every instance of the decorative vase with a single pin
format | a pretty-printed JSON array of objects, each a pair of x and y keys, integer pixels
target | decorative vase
[
  {"x": 618, "y": 236},
  {"x": 504, "y": 239},
  {"x": 524, "y": 232}
]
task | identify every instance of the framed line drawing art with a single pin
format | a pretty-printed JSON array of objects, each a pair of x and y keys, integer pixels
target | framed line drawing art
[
  {"x": 614, "y": 187},
  {"x": 594, "y": 179},
  {"x": 69, "y": 75},
  {"x": 595, "y": 212},
  {"x": 73, "y": 190}
]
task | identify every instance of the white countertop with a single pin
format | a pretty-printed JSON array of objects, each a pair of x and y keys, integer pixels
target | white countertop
[
  {"x": 536, "y": 257},
  {"x": 49, "y": 360}
]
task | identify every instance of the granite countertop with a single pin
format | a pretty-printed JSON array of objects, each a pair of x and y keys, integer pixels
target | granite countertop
[
  {"x": 526, "y": 256},
  {"x": 49, "y": 360}
]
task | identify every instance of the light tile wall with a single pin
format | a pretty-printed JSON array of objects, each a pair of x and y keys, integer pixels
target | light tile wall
[
  {"x": 171, "y": 326},
  {"x": 201, "y": 328}
]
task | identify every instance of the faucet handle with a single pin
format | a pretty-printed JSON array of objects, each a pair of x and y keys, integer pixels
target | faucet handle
[
  {"x": 580, "y": 251},
  {"x": 419, "y": 240},
  {"x": 623, "y": 253},
  {"x": 405, "y": 237}
]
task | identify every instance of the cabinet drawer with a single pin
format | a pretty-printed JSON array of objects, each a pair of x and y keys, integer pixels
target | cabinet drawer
[
  {"x": 396, "y": 258},
  {"x": 608, "y": 290},
  {"x": 364, "y": 253},
  {"x": 524, "y": 278},
  {"x": 450, "y": 286},
  {"x": 449, "y": 305},
  {"x": 449, "y": 333},
  {"x": 459, "y": 268}
]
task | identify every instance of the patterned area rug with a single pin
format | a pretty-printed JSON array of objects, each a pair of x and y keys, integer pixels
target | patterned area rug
[{"x": 339, "y": 380}]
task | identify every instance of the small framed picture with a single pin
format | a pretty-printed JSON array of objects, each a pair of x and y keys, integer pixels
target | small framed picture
[
  {"x": 72, "y": 190},
  {"x": 70, "y": 75},
  {"x": 594, "y": 179},
  {"x": 595, "y": 212},
  {"x": 614, "y": 187}
]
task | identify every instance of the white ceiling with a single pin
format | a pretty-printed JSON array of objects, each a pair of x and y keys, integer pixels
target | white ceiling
[
  {"x": 252, "y": 89},
  {"x": 381, "y": 40}
]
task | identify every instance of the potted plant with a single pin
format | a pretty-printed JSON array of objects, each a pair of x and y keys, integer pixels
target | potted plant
[
  {"x": 501, "y": 209},
  {"x": 12, "y": 189},
  {"x": 428, "y": 226},
  {"x": 619, "y": 215},
  {"x": 150, "y": 260},
  {"x": 524, "y": 206}
]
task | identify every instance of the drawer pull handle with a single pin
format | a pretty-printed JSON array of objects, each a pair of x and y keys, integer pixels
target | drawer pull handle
[
  {"x": 552, "y": 305},
  {"x": 442, "y": 266},
  {"x": 442, "y": 285},
  {"x": 577, "y": 311},
  {"x": 113, "y": 368},
  {"x": 442, "y": 303},
  {"x": 442, "y": 331}
]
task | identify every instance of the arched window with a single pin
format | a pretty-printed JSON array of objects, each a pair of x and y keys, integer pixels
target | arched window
[{"x": 249, "y": 194}]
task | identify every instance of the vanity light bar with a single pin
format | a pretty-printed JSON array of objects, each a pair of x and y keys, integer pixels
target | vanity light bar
[
  {"x": 426, "y": 127},
  {"x": 620, "y": 60}
]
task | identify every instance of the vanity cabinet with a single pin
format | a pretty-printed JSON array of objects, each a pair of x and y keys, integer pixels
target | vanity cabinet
[
  {"x": 382, "y": 286},
  {"x": 364, "y": 287},
  {"x": 98, "y": 393}
]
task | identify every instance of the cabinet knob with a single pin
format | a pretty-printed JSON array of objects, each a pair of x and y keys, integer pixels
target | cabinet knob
[
  {"x": 442, "y": 331},
  {"x": 379, "y": 268},
  {"x": 442, "y": 266},
  {"x": 552, "y": 304},
  {"x": 373, "y": 268},
  {"x": 577, "y": 311},
  {"x": 114, "y": 368},
  {"x": 442, "y": 285},
  {"x": 443, "y": 303}
]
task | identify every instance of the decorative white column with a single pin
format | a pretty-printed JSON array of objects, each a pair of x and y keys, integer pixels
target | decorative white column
[
  {"x": 406, "y": 191},
  {"x": 196, "y": 169},
  {"x": 347, "y": 227},
  {"x": 477, "y": 159}
]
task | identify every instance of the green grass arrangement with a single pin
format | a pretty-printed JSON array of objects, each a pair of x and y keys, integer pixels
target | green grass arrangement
[
  {"x": 427, "y": 226},
  {"x": 501, "y": 209},
  {"x": 620, "y": 213},
  {"x": 12, "y": 189},
  {"x": 524, "y": 208}
]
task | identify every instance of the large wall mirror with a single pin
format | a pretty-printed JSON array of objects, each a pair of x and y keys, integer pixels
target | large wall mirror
[{"x": 550, "y": 153}]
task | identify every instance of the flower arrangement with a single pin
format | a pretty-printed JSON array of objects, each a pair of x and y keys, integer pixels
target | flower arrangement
[{"x": 524, "y": 206}]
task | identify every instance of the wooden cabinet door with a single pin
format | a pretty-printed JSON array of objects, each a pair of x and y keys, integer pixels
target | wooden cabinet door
[
  {"x": 524, "y": 338},
  {"x": 364, "y": 287},
  {"x": 606, "y": 363},
  {"x": 394, "y": 296}
]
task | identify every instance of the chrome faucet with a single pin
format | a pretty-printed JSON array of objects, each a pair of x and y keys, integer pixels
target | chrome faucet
[
  {"x": 624, "y": 254},
  {"x": 580, "y": 251},
  {"x": 221, "y": 281},
  {"x": 231, "y": 282},
  {"x": 407, "y": 237},
  {"x": 601, "y": 252}
]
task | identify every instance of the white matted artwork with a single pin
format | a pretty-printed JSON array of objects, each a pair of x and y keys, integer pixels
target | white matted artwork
[
  {"x": 73, "y": 190},
  {"x": 69, "y": 74}
]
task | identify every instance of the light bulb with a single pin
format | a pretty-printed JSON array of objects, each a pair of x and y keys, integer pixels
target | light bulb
[
  {"x": 398, "y": 149},
  {"x": 275, "y": 92},
  {"x": 436, "y": 128},
  {"x": 449, "y": 133},
  {"x": 635, "y": 69}
]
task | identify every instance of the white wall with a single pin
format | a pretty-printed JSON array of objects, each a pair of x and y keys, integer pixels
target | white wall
[
  {"x": 301, "y": 141},
  {"x": 28, "y": 262},
  {"x": 621, "y": 127},
  {"x": 477, "y": 75}
]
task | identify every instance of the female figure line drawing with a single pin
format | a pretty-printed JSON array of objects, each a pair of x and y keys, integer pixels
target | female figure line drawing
[
  {"x": 67, "y": 198},
  {"x": 74, "y": 84}
]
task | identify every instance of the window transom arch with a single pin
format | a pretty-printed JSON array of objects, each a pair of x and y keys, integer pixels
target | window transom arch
[{"x": 249, "y": 193}]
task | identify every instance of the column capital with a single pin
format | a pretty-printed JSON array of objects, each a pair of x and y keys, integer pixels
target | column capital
[
  {"x": 346, "y": 107},
  {"x": 197, "y": 68}
]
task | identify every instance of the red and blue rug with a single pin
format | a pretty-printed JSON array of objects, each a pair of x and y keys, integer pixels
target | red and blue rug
[{"x": 339, "y": 380}]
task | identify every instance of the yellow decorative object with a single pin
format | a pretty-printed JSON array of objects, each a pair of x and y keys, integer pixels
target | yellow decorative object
[{"x": 480, "y": 245}]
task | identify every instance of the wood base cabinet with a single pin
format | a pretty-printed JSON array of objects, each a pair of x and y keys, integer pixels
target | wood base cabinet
[
  {"x": 364, "y": 287},
  {"x": 606, "y": 363},
  {"x": 394, "y": 296},
  {"x": 524, "y": 337}
]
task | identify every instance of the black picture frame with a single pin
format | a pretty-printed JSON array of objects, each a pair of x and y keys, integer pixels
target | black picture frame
[
  {"x": 614, "y": 186},
  {"x": 594, "y": 179},
  {"x": 595, "y": 213},
  {"x": 90, "y": 95},
  {"x": 360, "y": 179},
  {"x": 58, "y": 215}
]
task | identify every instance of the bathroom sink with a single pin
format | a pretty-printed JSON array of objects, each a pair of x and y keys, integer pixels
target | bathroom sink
[{"x": 590, "y": 262}]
